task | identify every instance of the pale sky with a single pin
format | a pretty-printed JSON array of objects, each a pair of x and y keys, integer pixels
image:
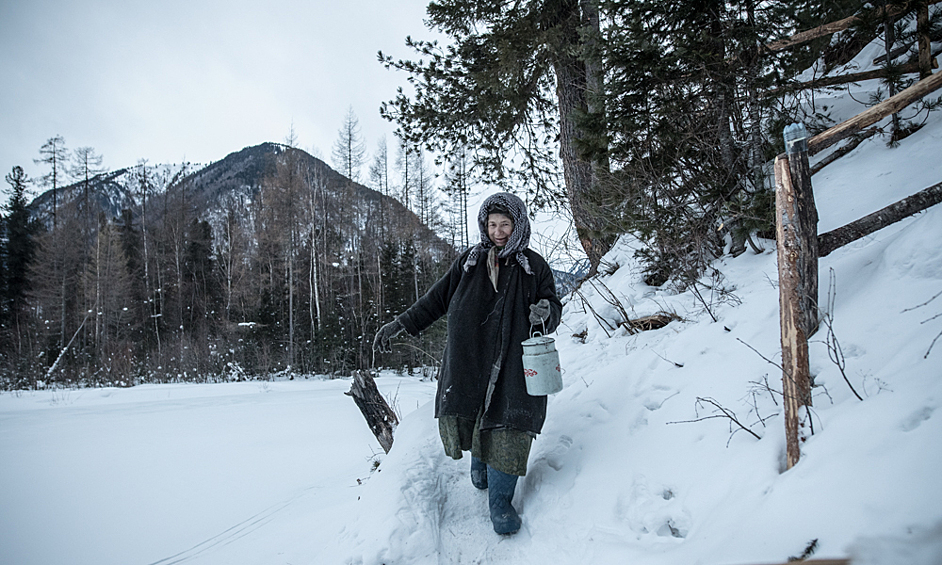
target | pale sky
[{"x": 194, "y": 80}]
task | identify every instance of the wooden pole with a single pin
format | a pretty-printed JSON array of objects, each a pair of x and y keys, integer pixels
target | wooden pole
[{"x": 796, "y": 221}]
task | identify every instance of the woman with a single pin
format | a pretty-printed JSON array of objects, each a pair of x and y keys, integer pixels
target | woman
[{"x": 493, "y": 293}]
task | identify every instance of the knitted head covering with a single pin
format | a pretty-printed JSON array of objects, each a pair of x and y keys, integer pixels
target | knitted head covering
[{"x": 509, "y": 205}]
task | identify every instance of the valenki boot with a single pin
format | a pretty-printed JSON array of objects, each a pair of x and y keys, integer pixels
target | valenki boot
[
  {"x": 478, "y": 473},
  {"x": 500, "y": 493}
]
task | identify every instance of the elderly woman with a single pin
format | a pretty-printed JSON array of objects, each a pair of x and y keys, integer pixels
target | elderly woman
[{"x": 493, "y": 294}]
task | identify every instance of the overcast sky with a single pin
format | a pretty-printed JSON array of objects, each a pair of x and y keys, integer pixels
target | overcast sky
[{"x": 194, "y": 80}]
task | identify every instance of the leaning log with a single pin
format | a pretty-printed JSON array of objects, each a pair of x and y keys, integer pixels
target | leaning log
[
  {"x": 379, "y": 416},
  {"x": 892, "y": 11},
  {"x": 834, "y": 239},
  {"x": 873, "y": 115},
  {"x": 850, "y": 146}
]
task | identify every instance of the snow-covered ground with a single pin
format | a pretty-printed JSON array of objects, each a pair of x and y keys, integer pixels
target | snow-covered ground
[
  {"x": 226, "y": 473},
  {"x": 633, "y": 466}
]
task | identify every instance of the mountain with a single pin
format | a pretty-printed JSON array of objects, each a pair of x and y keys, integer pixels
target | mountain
[{"x": 233, "y": 182}]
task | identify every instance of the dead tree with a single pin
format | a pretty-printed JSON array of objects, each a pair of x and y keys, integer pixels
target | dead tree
[{"x": 379, "y": 416}]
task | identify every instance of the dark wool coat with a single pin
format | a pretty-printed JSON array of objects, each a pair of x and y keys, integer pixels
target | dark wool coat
[{"x": 486, "y": 327}]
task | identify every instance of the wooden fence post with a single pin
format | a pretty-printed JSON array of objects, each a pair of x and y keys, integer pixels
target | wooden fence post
[{"x": 796, "y": 227}]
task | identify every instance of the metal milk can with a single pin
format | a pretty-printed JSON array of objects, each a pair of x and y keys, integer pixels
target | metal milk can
[{"x": 541, "y": 365}]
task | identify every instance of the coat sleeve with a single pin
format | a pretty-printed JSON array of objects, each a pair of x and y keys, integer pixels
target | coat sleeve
[{"x": 434, "y": 304}]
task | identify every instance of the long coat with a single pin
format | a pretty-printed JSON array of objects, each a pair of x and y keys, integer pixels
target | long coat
[{"x": 485, "y": 331}]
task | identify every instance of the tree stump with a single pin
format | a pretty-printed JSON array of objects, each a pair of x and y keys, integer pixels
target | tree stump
[{"x": 379, "y": 416}]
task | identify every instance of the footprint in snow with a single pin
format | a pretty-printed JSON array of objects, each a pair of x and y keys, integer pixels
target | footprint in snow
[{"x": 917, "y": 418}]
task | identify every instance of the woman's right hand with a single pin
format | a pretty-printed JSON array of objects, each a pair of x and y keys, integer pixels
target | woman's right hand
[
  {"x": 539, "y": 312},
  {"x": 386, "y": 333}
]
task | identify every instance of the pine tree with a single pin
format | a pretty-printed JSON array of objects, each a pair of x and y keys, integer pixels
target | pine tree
[
  {"x": 509, "y": 87},
  {"x": 18, "y": 253},
  {"x": 457, "y": 186},
  {"x": 685, "y": 121}
]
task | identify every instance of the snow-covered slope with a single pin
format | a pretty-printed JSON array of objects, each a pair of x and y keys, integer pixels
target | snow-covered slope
[{"x": 638, "y": 464}]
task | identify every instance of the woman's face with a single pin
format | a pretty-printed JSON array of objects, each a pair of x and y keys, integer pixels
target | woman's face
[{"x": 499, "y": 228}]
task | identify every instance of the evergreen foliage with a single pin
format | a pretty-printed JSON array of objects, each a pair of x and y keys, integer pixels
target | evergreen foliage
[
  {"x": 689, "y": 126},
  {"x": 17, "y": 252},
  {"x": 506, "y": 90}
]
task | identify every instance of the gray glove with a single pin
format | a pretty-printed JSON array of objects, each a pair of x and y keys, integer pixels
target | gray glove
[
  {"x": 386, "y": 333},
  {"x": 539, "y": 312}
]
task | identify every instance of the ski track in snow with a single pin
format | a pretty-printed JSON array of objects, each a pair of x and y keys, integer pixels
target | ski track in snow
[{"x": 229, "y": 536}]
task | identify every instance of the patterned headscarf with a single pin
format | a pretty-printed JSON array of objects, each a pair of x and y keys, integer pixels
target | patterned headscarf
[{"x": 510, "y": 205}]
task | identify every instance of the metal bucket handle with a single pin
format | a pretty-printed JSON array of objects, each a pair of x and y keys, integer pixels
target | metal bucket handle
[{"x": 535, "y": 333}]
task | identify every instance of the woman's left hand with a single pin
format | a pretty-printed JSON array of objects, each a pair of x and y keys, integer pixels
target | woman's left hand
[{"x": 539, "y": 312}]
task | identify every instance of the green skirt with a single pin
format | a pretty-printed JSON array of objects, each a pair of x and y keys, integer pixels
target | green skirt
[{"x": 504, "y": 449}]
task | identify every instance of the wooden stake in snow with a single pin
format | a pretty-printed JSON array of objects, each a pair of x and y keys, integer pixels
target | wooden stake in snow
[
  {"x": 796, "y": 226},
  {"x": 379, "y": 416}
]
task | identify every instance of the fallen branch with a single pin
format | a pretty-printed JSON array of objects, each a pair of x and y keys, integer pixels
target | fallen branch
[
  {"x": 834, "y": 27},
  {"x": 835, "y": 353},
  {"x": 66, "y": 348},
  {"x": 937, "y": 316},
  {"x": 652, "y": 322},
  {"x": 837, "y": 80},
  {"x": 837, "y": 238},
  {"x": 857, "y": 140},
  {"x": 379, "y": 416},
  {"x": 723, "y": 413}
]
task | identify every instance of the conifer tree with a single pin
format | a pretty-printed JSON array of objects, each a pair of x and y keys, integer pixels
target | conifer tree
[
  {"x": 509, "y": 87},
  {"x": 686, "y": 124},
  {"x": 18, "y": 253}
]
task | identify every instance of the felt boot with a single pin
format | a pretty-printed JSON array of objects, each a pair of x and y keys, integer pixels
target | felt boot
[
  {"x": 500, "y": 492},
  {"x": 478, "y": 473}
]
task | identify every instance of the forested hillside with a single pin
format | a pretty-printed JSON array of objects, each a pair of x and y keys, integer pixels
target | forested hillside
[{"x": 267, "y": 261}]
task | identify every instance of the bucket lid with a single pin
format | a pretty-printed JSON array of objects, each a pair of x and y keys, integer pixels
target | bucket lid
[{"x": 538, "y": 341}]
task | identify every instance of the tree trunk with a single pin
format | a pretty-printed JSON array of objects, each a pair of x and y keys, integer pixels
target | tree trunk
[
  {"x": 581, "y": 176},
  {"x": 379, "y": 416},
  {"x": 925, "y": 45},
  {"x": 889, "y": 38}
]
